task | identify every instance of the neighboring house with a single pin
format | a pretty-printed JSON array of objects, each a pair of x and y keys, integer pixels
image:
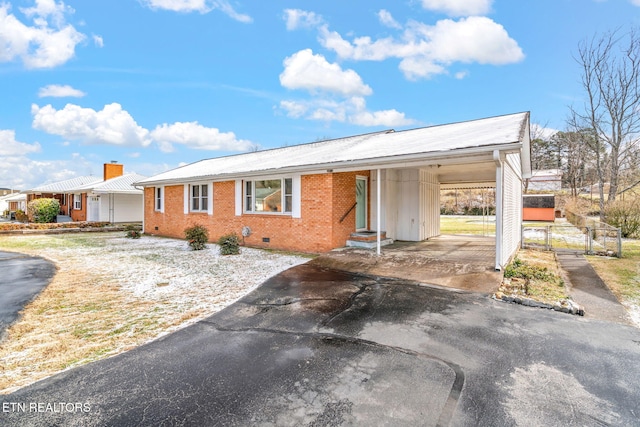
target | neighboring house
[
  {"x": 6, "y": 191},
  {"x": 111, "y": 198},
  {"x": 545, "y": 180},
  {"x": 385, "y": 181},
  {"x": 15, "y": 202},
  {"x": 61, "y": 190}
]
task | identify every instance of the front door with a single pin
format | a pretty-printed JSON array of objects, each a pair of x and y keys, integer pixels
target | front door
[
  {"x": 93, "y": 208},
  {"x": 361, "y": 203}
]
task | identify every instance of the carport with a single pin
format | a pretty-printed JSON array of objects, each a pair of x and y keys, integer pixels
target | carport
[{"x": 492, "y": 152}]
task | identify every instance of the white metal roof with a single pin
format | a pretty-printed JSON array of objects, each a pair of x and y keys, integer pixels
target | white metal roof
[
  {"x": 63, "y": 186},
  {"x": 120, "y": 184},
  {"x": 369, "y": 149}
]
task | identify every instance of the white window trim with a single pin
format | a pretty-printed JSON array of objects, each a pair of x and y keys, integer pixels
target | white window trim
[
  {"x": 239, "y": 197},
  {"x": 155, "y": 199},
  {"x": 188, "y": 200},
  {"x": 243, "y": 196},
  {"x": 79, "y": 202}
]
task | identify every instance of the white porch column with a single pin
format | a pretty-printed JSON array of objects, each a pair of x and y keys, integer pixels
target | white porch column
[
  {"x": 378, "y": 197},
  {"x": 499, "y": 208}
]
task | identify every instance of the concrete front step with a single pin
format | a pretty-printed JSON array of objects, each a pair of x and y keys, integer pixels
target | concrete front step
[
  {"x": 368, "y": 239},
  {"x": 63, "y": 218}
]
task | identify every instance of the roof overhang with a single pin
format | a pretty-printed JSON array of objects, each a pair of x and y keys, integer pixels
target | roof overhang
[{"x": 473, "y": 155}]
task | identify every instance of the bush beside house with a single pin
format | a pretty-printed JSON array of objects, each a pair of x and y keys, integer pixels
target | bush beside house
[{"x": 43, "y": 210}]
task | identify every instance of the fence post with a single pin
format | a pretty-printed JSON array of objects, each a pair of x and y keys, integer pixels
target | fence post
[
  {"x": 589, "y": 241},
  {"x": 619, "y": 243},
  {"x": 548, "y": 242}
]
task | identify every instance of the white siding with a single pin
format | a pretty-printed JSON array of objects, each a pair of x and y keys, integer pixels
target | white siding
[
  {"x": 410, "y": 204},
  {"x": 511, "y": 212},
  {"x": 121, "y": 207},
  {"x": 429, "y": 205}
]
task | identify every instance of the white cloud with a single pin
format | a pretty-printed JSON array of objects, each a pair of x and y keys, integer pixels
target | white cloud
[
  {"x": 461, "y": 75},
  {"x": 297, "y": 18},
  {"x": 60, "y": 91},
  {"x": 202, "y": 6},
  {"x": 10, "y": 147},
  {"x": 48, "y": 43},
  {"x": 387, "y": 19},
  {"x": 427, "y": 50},
  {"x": 635, "y": 2},
  {"x": 459, "y": 7},
  {"x": 198, "y": 137},
  {"x": 304, "y": 70},
  {"x": 21, "y": 172},
  {"x": 352, "y": 110},
  {"x": 112, "y": 125},
  {"x": 97, "y": 40}
]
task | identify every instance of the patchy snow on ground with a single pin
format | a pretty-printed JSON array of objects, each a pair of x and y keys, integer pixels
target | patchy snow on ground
[{"x": 167, "y": 270}]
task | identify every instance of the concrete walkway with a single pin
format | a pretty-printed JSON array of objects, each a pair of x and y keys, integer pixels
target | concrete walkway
[{"x": 588, "y": 289}]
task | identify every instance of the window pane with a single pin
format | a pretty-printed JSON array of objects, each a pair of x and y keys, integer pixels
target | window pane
[
  {"x": 195, "y": 204},
  {"x": 205, "y": 190},
  {"x": 288, "y": 186},
  {"x": 268, "y": 197},
  {"x": 247, "y": 194},
  {"x": 287, "y": 203},
  {"x": 205, "y": 203},
  {"x": 195, "y": 190}
]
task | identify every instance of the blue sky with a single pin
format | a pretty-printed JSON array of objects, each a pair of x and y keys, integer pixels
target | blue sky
[{"x": 155, "y": 84}]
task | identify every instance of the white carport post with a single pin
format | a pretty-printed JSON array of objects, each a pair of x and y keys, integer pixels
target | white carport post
[
  {"x": 378, "y": 196},
  {"x": 499, "y": 208}
]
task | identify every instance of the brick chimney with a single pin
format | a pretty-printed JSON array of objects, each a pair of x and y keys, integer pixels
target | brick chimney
[{"x": 113, "y": 170}]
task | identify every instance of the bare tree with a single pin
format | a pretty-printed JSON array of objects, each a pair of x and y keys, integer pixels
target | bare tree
[
  {"x": 610, "y": 78},
  {"x": 576, "y": 161}
]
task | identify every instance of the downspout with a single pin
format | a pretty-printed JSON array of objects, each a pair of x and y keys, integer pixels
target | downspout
[
  {"x": 499, "y": 208},
  {"x": 378, "y": 210}
]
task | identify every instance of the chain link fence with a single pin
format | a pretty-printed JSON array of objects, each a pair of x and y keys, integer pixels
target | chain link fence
[{"x": 576, "y": 232}]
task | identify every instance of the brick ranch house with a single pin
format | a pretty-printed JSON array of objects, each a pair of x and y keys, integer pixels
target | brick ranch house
[
  {"x": 111, "y": 198},
  {"x": 313, "y": 197}
]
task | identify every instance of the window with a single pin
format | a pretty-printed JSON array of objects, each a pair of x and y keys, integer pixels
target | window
[
  {"x": 199, "y": 198},
  {"x": 269, "y": 196},
  {"x": 77, "y": 202},
  {"x": 158, "y": 199}
]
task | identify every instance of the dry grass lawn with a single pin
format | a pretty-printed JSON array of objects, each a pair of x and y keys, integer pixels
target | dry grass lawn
[{"x": 104, "y": 300}]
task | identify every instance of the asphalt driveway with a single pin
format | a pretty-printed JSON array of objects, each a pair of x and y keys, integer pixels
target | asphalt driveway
[
  {"x": 22, "y": 277},
  {"x": 320, "y": 347}
]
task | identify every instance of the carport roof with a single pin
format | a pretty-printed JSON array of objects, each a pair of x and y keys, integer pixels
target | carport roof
[{"x": 363, "y": 151}]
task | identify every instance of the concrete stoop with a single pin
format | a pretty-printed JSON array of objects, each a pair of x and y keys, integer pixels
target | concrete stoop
[{"x": 368, "y": 239}]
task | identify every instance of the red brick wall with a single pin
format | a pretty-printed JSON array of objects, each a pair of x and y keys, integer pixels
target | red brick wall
[
  {"x": 325, "y": 199},
  {"x": 79, "y": 214}
]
